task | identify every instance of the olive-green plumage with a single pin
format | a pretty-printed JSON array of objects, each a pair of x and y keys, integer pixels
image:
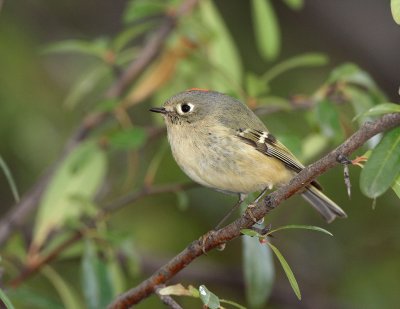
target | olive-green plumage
[{"x": 220, "y": 143}]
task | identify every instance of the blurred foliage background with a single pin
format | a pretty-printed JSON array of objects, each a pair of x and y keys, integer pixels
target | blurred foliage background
[{"x": 307, "y": 69}]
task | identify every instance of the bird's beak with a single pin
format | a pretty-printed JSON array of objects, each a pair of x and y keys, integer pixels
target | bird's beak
[{"x": 160, "y": 110}]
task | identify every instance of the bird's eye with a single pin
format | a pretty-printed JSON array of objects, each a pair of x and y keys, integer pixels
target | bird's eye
[{"x": 185, "y": 108}]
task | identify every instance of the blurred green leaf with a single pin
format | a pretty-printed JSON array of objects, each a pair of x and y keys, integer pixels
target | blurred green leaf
[
  {"x": 361, "y": 102},
  {"x": 208, "y": 298},
  {"x": 69, "y": 297},
  {"x": 85, "y": 84},
  {"x": 383, "y": 167},
  {"x": 258, "y": 269},
  {"x": 292, "y": 142},
  {"x": 288, "y": 271},
  {"x": 396, "y": 186},
  {"x": 255, "y": 86},
  {"x": 328, "y": 119},
  {"x": 294, "y": 4},
  {"x": 312, "y": 145},
  {"x": 304, "y": 227},
  {"x": 222, "y": 52},
  {"x": 5, "y": 300},
  {"x": 129, "y": 139},
  {"x": 384, "y": 108},
  {"x": 96, "y": 282},
  {"x": 183, "y": 200},
  {"x": 107, "y": 105},
  {"x": 140, "y": 9},
  {"x": 10, "y": 179},
  {"x": 126, "y": 36},
  {"x": 97, "y": 48},
  {"x": 266, "y": 28},
  {"x": 80, "y": 174},
  {"x": 304, "y": 60},
  {"x": 29, "y": 298},
  {"x": 395, "y": 8}
]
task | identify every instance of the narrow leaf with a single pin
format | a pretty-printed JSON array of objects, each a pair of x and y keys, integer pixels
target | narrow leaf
[
  {"x": 328, "y": 119},
  {"x": 266, "y": 28},
  {"x": 395, "y": 8},
  {"x": 383, "y": 166},
  {"x": 222, "y": 52},
  {"x": 259, "y": 272},
  {"x": 140, "y": 9},
  {"x": 288, "y": 271},
  {"x": 304, "y": 60},
  {"x": 232, "y": 303},
  {"x": 384, "y": 108},
  {"x": 96, "y": 48},
  {"x": 10, "y": 179},
  {"x": 5, "y": 300},
  {"x": 96, "y": 282},
  {"x": 208, "y": 298},
  {"x": 304, "y": 227},
  {"x": 68, "y": 296},
  {"x": 249, "y": 232},
  {"x": 294, "y": 4}
]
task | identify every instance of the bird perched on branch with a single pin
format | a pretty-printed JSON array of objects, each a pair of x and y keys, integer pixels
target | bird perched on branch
[{"x": 220, "y": 143}]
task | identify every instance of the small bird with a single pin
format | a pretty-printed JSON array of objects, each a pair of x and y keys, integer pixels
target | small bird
[{"x": 220, "y": 143}]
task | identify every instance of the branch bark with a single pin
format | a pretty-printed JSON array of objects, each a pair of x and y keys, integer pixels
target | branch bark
[
  {"x": 18, "y": 214},
  {"x": 263, "y": 207}
]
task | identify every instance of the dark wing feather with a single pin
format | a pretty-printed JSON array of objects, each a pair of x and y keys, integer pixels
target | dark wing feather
[{"x": 266, "y": 143}]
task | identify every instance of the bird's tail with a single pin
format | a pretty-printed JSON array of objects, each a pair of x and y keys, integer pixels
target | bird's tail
[{"x": 323, "y": 204}]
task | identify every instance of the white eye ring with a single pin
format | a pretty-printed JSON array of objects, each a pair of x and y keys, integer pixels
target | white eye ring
[{"x": 184, "y": 108}]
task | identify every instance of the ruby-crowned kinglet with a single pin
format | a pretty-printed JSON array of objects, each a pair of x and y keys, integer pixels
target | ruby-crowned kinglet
[{"x": 220, "y": 143}]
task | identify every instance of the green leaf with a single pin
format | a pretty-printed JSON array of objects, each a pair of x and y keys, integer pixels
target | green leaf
[
  {"x": 396, "y": 186},
  {"x": 294, "y": 4},
  {"x": 129, "y": 139},
  {"x": 395, "y": 8},
  {"x": 10, "y": 179},
  {"x": 85, "y": 84},
  {"x": 5, "y": 300},
  {"x": 266, "y": 28},
  {"x": 96, "y": 282},
  {"x": 79, "y": 175},
  {"x": 255, "y": 86},
  {"x": 183, "y": 200},
  {"x": 208, "y": 298},
  {"x": 288, "y": 271},
  {"x": 249, "y": 232},
  {"x": 126, "y": 36},
  {"x": 361, "y": 101},
  {"x": 259, "y": 272},
  {"x": 69, "y": 297},
  {"x": 384, "y": 108},
  {"x": 328, "y": 119},
  {"x": 304, "y": 227},
  {"x": 312, "y": 145},
  {"x": 140, "y": 9},
  {"x": 232, "y": 303},
  {"x": 304, "y": 60},
  {"x": 26, "y": 297},
  {"x": 97, "y": 48},
  {"x": 383, "y": 166},
  {"x": 222, "y": 51}
]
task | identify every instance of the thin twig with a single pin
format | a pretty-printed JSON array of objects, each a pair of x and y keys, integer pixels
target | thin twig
[
  {"x": 18, "y": 214},
  {"x": 231, "y": 231}
]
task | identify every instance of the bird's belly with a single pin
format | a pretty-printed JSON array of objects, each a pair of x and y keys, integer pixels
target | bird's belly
[{"x": 229, "y": 165}]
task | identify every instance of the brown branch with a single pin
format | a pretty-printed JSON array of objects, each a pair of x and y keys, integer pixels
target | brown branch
[
  {"x": 18, "y": 214},
  {"x": 77, "y": 235},
  {"x": 231, "y": 231}
]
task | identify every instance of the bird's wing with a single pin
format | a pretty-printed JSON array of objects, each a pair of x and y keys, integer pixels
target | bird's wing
[{"x": 266, "y": 143}]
